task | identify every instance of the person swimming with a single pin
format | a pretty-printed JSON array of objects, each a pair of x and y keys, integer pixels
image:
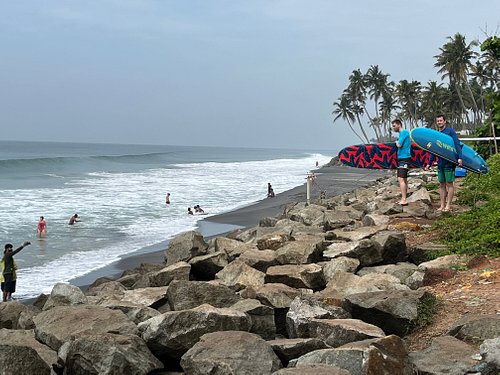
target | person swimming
[{"x": 73, "y": 219}]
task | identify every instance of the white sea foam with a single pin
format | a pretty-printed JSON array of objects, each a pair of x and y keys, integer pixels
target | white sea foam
[{"x": 124, "y": 212}]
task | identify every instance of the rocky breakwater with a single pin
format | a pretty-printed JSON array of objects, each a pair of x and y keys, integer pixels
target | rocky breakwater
[{"x": 326, "y": 288}]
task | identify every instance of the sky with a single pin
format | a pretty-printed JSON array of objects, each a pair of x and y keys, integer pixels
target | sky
[{"x": 260, "y": 73}]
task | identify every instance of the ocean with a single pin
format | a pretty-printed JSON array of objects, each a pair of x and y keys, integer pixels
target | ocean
[{"x": 118, "y": 191}]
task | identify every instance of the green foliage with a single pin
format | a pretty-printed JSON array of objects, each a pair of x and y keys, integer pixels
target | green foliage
[
  {"x": 484, "y": 187},
  {"x": 476, "y": 231},
  {"x": 432, "y": 186},
  {"x": 426, "y": 311},
  {"x": 473, "y": 232}
]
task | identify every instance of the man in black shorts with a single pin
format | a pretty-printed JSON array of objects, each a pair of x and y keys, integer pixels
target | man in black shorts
[{"x": 404, "y": 157}]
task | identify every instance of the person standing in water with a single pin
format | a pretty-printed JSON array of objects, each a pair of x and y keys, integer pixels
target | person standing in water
[
  {"x": 73, "y": 219},
  {"x": 8, "y": 265},
  {"x": 167, "y": 199},
  {"x": 41, "y": 230}
]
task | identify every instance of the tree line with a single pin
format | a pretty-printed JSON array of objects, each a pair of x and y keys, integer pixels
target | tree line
[{"x": 467, "y": 93}]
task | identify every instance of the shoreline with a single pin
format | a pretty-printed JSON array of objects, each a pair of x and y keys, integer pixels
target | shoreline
[{"x": 333, "y": 180}]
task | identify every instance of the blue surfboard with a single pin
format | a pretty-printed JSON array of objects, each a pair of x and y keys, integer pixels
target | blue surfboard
[{"x": 442, "y": 146}]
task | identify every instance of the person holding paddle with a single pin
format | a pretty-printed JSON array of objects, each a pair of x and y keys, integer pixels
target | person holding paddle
[
  {"x": 404, "y": 157},
  {"x": 446, "y": 169}
]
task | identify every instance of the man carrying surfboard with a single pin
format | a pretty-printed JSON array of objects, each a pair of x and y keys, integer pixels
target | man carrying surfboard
[
  {"x": 404, "y": 157},
  {"x": 446, "y": 169}
]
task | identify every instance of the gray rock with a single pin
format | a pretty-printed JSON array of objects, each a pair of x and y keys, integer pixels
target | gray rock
[
  {"x": 490, "y": 351},
  {"x": 337, "y": 332},
  {"x": 173, "y": 333},
  {"x": 476, "y": 328},
  {"x": 55, "y": 326},
  {"x": 21, "y": 353},
  {"x": 278, "y": 296},
  {"x": 232, "y": 248},
  {"x": 9, "y": 314},
  {"x": 26, "y": 317},
  {"x": 107, "y": 287},
  {"x": 136, "y": 313},
  {"x": 184, "y": 247},
  {"x": 204, "y": 267},
  {"x": 375, "y": 220},
  {"x": 288, "y": 349},
  {"x": 337, "y": 219},
  {"x": 385, "y": 355},
  {"x": 344, "y": 264},
  {"x": 313, "y": 369},
  {"x": 307, "y": 214},
  {"x": 273, "y": 241},
  {"x": 305, "y": 250},
  {"x": 446, "y": 355},
  {"x": 230, "y": 353},
  {"x": 108, "y": 353},
  {"x": 393, "y": 245},
  {"x": 238, "y": 275},
  {"x": 308, "y": 276},
  {"x": 65, "y": 295},
  {"x": 261, "y": 316},
  {"x": 149, "y": 297},
  {"x": 421, "y": 195},
  {"x": 163, "y": 277},
  {"x": 261, "y": 260},
  {"x": 359, "y": 233},
  {"x": 305, "y": 308},
  {"x": 183, "y": 295},
  {"x": 394, "y": 311}
]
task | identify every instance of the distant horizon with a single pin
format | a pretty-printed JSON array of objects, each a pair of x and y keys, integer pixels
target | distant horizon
[{"x": 254, "y": 74}]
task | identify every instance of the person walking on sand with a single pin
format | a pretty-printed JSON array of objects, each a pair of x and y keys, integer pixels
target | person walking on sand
[
  {"x": 41, "y": 230},
  {"x": 8, "y": 275},
  {"x": 403, "y": 158},
  {"x": 73, "y": 219},
  {"x": 446, "y": 169},
  {"x": 167, "y": 199}
]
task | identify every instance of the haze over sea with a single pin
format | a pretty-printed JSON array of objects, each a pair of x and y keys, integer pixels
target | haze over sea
[{"x": 119, "y": 193}]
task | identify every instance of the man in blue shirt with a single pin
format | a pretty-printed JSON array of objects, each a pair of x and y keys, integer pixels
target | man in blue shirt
[
  {"x": 404, "y": 157},
  {"x": 446, "y": 169}
]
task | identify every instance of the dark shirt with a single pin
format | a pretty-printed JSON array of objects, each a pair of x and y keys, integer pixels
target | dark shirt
[
  {"x": 445, "y": 164},
  {"x": 8, "y": 259}
]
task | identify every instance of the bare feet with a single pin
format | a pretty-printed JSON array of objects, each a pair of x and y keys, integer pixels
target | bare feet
[{"x": 441, "y": 209}]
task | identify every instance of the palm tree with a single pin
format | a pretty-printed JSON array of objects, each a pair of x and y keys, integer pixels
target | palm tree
[
  {"x": 344, "y": 111},
  {"x": 376, "y": 83},
  {"x": 454, "y": 62},
  {"x": 387, "y": 107},
  {"x": 408, "y": 94},
  {"x": 434, "y": 100}
]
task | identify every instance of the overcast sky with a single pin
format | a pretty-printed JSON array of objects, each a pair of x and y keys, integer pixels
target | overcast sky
[{"x": 260, "y": 73}]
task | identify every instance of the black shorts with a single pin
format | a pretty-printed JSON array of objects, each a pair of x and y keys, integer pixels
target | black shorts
[
  {"x": 9, "y": 286},
  {"x": 403, "y": 166}
]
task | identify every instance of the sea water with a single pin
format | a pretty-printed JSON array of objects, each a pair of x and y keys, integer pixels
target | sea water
[{"x": 118, "y": 192}]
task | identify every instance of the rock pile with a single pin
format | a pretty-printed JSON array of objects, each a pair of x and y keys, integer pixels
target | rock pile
[{"x": 324, "y": 288}]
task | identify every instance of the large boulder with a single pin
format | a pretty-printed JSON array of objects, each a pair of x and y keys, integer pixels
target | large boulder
[
  {"x": 55, "y": 326},
  {"x": 21, "y": 353},
  {"x": 476, "y": 328},
  {"x": 386, "y": 355},
  {"x": 337, "y": 332},
  {"x": 396, "y": 312},
  {"x": 10, "y": 313},
  {"x": 204, "y": 267},
  {"x": 108, "y": 353},
  {"x": 308, "y": 276},
  {"x": 305, "y": 308},
  {"x": 173, "y": 333},
  {"x": 446, "y": 355},
  {"x": 230, "y": 352},
  {"x": 407, "y": 273},
  {"x": 65, "y": 295},
  {"x": 392, "y": 245},
  {"x": 232, "y": 248},
  {"x": 163, "y": 277},
  {"x": 149, "y": 297},
  {"x": 238, "y": 275},
  {"x": 184, "y": 247},
  {"x": 259, "y": 259},
  {"x": 183, "y": 295},
  {"x": 310, "y": 215},
  {"x": 335, "y": 219},
  {"x": 262, "y": 317},
  {"x": 308, "y": 249},
  {"x": 312, "y": 369},
  {"x": 341, "y": 263},
  {"x": 288, "y": 349}
]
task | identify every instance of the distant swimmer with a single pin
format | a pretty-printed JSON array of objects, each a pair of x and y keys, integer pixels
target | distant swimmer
[
  {"x": 41, "y": 230},
  {"x": 190, "y": 212},
  {"x": 198, "y": 209},
  {"x": 73, "y": 219},
  {"x": 167, "y": 198}
]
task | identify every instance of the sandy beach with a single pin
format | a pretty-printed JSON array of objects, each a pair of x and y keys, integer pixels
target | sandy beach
[{"x": 332, "y": 180}]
